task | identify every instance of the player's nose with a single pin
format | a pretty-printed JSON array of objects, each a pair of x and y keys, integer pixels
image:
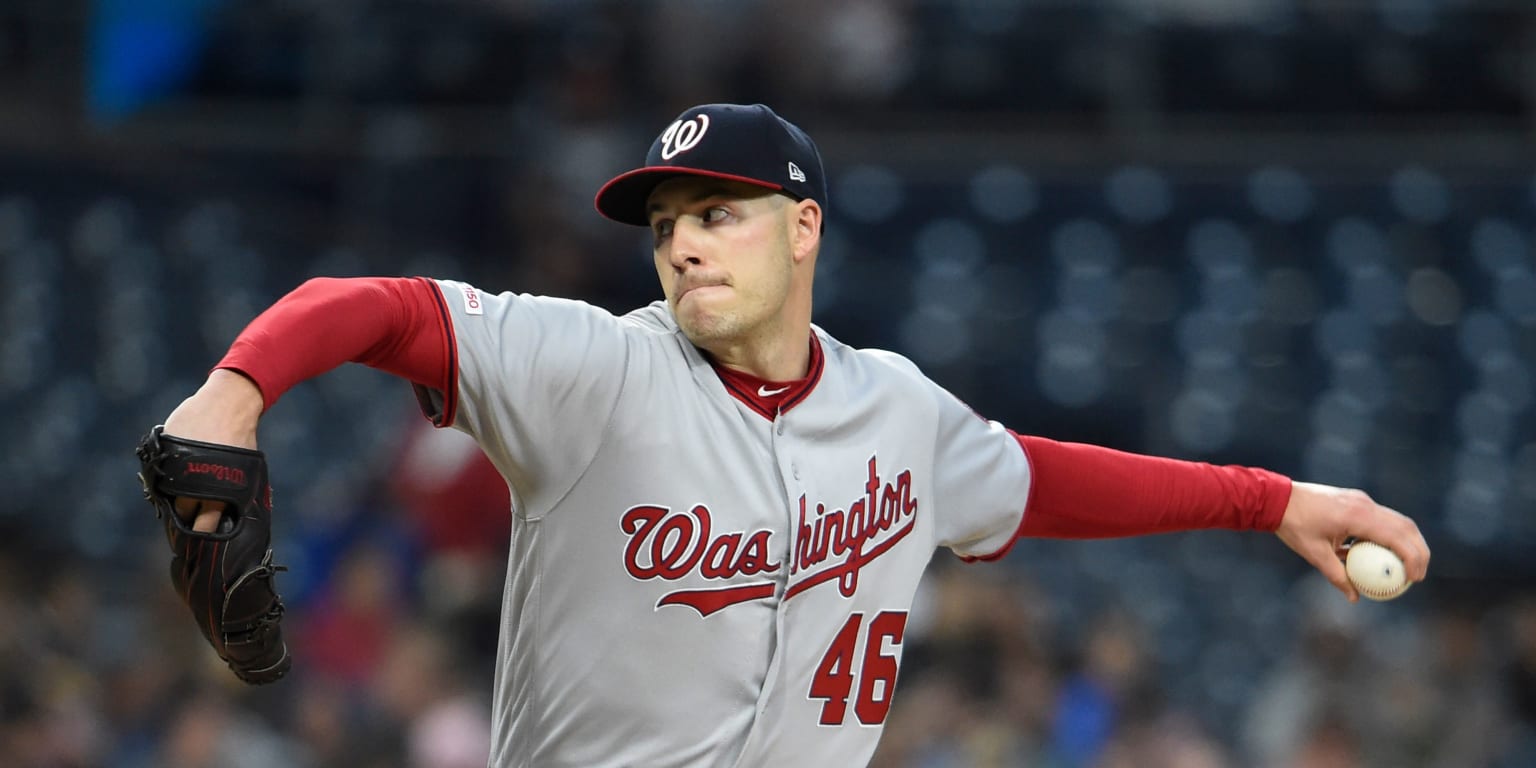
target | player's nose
[{"x": 685, "y": 243}]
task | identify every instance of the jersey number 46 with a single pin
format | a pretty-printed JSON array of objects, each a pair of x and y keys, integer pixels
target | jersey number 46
[{"x": 834, "y": 678}]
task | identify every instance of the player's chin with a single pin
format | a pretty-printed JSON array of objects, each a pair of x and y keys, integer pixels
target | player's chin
[
  {"x": 701, "y": 326},
  {"x": 695, "y": 311},
  {"x": 698, "y": 330}
]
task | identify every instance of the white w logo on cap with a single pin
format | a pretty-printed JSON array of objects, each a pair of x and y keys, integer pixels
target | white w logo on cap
[{"x": 683, "y": 135}]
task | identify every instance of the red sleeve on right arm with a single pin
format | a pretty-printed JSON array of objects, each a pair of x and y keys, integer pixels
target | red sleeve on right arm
[
  {"x": 397, "y": 325},
  {"x": 1087, "y": 492}
]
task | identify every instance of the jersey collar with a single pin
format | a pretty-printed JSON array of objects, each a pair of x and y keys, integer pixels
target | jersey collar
[{"x": 770, "y": 398}]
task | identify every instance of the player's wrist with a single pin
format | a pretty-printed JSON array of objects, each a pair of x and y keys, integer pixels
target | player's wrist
[
  {"x": 232, "y": 383},
  {"x": 235, "y": 393},
  {"x": 224, "y": 410}
]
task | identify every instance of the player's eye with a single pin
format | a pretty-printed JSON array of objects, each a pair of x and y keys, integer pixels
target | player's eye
[
  {"x": 716, "y": 214},
  {"x": 662, "y": 229}
]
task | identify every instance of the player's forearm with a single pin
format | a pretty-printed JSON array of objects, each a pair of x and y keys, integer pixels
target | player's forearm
[
  {"x": 393, "y": 324},
  {"x": 1087, "y": 492}
]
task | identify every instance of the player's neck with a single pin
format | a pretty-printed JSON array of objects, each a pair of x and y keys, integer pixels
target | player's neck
[
  {"x": 784, "y": 356},
  {"x": 777, "y": 348}
]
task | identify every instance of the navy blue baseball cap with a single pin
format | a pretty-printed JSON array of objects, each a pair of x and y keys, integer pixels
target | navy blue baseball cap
[{"x": 738, "y": 142}]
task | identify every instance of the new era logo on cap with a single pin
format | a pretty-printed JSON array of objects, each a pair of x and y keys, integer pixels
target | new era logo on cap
[{"x": 747, "y": 143}]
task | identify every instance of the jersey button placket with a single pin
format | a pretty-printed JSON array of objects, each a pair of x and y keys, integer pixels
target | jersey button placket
[{"x": 782, "y": 451}]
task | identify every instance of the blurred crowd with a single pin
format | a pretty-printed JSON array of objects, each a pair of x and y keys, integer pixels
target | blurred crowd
[
  {"x": 394, "y": 647},
  {"x": 999, "y": 684},
  {"x": 1060, "y": 209},
  {"x": 391, "y": 615}
]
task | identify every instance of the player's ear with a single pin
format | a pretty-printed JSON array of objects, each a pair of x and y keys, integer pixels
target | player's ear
[{"x": 805, "y": 235}]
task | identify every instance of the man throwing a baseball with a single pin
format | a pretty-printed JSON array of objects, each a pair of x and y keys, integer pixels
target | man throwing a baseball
[{"x": 720, "y": 512}]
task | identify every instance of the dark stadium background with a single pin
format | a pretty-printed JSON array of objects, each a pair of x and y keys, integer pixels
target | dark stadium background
[{"x": 1293, "y": 233}]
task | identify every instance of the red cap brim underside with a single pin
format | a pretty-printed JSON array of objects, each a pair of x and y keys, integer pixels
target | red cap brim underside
[{"x": 624, "y": 197}]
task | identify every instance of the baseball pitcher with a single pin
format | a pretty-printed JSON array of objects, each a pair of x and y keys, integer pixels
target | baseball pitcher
[{"x": 720, "y": 512}]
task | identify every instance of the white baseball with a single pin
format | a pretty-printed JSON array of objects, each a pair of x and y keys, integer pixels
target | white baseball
[{"x": 1375, "y": 571}]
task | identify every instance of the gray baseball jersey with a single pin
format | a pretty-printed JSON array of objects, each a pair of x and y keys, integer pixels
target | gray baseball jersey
[{"x": 693, "y": 582}]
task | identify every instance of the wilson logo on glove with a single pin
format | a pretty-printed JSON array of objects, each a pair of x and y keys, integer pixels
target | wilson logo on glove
[{"x": 218, "y": 471}]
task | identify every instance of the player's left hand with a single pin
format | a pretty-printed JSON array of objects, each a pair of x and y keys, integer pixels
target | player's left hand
[{"x": 1319, "y": 519}]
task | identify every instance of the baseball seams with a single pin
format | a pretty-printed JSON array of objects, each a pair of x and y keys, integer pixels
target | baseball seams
[{"x": 1376, "y": 571}]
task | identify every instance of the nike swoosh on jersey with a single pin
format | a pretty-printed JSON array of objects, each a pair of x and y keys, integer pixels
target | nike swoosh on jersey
[{"x": 766, "y": 392}]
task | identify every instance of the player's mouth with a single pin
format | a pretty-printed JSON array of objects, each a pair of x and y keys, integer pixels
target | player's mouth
[{"x": 700, "y": 288}]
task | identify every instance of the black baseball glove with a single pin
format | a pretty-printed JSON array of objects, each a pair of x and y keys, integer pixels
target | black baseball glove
[{"x": 225, "y": 576}]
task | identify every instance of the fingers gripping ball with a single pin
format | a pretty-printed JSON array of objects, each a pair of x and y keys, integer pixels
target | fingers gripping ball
[
  {"x": 224, "y": 576},
  {"x": 1375, "y": 571}
]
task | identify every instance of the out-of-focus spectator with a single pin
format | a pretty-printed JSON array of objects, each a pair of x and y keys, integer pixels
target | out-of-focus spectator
[
  {"x": 1519, "y": 677},
  {"x": 206, "y": 731},
  {"x": 1441, "y": 701},
  {"x": 340, "y": 728},
  {"x": 50, "y": 699},
  {"x": 421, "y": 686},
  {"x": 1112, "y": 685},
  {"x": 323, "y": 725},
  {"x": 1327, "y": 743},
  {"x": 451, "y": 493},
  {"x": 343, "y": 633},
  {"x": 1166, "y": 740},
  {"x": 977, "y": 684},
  {"x": 1306, "y": 711},
  {"x": 458, "y": 508}
]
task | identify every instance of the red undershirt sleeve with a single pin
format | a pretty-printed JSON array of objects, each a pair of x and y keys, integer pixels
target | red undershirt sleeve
[
  {"x": 397, "y": 325},
  {"x": 1089, "y": 492}
]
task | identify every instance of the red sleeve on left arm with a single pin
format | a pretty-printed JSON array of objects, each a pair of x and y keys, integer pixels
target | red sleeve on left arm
[
  {"x": 395, "y": 324},
  {"x": 1088, "y": 492}
]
